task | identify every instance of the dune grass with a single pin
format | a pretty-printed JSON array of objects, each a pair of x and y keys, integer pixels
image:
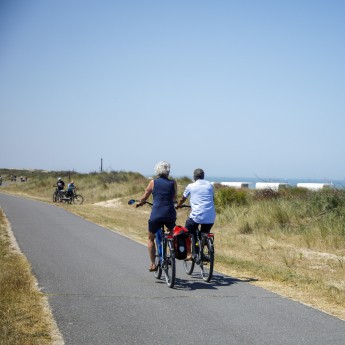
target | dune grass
[
  {"x": 291, "y": 242},
  {"x": 292, "y": 239}
]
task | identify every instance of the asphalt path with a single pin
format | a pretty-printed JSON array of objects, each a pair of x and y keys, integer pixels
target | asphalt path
[{"x": 101, "y": 292}]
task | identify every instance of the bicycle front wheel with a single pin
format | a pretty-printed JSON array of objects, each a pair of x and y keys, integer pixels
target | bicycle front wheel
[
  {"x": 169, "y": 266},
  {"x": 54, "y": 197},
  {"x": 78, "y": 199},
  {"x": 207, "y": 260},
  {"x": 158, "y": 273},
  {"x": 159, "y": 250}
]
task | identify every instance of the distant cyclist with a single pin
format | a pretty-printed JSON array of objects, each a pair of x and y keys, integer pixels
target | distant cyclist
[
  {"x": 70, "y": 189},
  {"x": 60, "y": 184},
  {"x": 203, "y": 212}
]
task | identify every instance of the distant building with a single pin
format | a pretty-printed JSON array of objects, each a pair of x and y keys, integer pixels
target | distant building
[
  {"x": 314, "y": 186},
  {"x": 275, "y": 186},
  {"x": 236, "y": 184}
]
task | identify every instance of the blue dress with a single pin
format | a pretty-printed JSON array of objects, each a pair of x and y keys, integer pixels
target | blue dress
[{"x": 163, "y": 200}]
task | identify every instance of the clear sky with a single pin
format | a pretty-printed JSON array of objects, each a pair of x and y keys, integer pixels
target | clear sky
[{"x": 238, "y": 88}]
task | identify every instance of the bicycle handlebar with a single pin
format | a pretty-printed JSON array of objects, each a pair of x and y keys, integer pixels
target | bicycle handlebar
[
  {"x": 184, "y": 206},
  {"x": 133, "y": 201}
]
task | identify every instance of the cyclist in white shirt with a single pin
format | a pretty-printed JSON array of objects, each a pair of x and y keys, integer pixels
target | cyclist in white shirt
[{"x": 201, "y": 193}]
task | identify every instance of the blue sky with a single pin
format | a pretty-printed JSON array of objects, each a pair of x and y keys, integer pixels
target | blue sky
[{"x": 238, "y": 88}]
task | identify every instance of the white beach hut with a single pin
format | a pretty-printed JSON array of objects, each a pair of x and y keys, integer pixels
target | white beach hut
[
  {"x": 276, "y": 186},
  {"x": 236, "y": 184},
  {"x": 313, "y": 186}
]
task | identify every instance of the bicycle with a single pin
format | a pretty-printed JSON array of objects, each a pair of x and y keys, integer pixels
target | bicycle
[
  {"x": 165, "y": 253},
  {"x": 202, "y": 253},
  {"x": 58, "y": 195},
  {"x": 75, "y": 198}
]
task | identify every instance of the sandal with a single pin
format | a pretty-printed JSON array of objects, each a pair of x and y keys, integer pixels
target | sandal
[{"x": 153, "y": 268}]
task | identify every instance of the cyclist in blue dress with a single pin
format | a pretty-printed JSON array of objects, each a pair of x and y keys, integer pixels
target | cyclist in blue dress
[{"x": 164, "y": 191}]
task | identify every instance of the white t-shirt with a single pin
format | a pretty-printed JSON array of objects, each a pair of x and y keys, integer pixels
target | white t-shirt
[{"x": 201, "y": 194}]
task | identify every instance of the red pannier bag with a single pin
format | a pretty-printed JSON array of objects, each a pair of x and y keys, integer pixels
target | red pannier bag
[{"x": 181, "y": 242}]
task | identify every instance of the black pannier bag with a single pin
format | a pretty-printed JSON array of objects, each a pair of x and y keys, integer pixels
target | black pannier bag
[{"x": 181, "y": 242}]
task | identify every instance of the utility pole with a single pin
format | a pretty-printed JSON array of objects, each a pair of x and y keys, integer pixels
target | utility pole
[{"x": 101, "y": 164}]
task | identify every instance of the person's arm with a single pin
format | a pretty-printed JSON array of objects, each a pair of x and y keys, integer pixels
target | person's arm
[
  {"x": 181, "y": 201},
  {"x": 146, "y": 194}
]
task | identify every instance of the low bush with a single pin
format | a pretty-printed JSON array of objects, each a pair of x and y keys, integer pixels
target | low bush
[
  {"x": 327, "y": 200},
  {"x": 227, "y": 196}
]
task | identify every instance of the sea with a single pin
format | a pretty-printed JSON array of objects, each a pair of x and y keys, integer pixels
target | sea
[{"x": 339, "y": 184}]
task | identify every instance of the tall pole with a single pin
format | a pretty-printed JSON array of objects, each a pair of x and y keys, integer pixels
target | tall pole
[{"x": 101, "y": 164}]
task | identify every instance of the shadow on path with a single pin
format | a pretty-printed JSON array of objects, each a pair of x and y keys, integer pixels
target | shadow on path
[{"x": 195, "y": 282}]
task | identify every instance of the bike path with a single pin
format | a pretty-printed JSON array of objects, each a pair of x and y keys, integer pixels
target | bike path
[{"x": 101, "y": 292}]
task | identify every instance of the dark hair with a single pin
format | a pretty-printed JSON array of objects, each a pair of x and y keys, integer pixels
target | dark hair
[{"x": 199, "y": 174}]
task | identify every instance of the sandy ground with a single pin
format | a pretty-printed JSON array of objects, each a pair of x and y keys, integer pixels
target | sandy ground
[{"x": 109, "y": 203}]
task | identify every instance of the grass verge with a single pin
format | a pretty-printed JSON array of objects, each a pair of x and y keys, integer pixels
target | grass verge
[{"x": 25, "y": 318}]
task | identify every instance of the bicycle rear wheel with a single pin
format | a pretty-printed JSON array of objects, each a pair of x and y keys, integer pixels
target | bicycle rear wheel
[
  {"x": 189, "y": 266},
  {"x": 169, "y": 266},
  {"x": 77, "y": 199},
  {"x": 207, "y": 260}
]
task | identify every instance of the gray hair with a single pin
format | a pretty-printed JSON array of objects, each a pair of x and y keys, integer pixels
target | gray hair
[
  {"x": 162, "y": 169},
  {"x": 199, "y": 174}
]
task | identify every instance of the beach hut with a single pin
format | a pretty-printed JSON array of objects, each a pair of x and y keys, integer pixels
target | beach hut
[
  {"x": 236, "y": 184},
  {"x": 275, "y": 186},
  {"x": 314, "y": 186}
]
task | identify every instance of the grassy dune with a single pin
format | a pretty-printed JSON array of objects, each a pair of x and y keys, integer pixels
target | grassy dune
[{"x": 291, "y": 242}]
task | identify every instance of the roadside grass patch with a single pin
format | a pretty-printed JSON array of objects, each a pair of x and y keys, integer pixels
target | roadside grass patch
[{"x": 24, "y": 315}]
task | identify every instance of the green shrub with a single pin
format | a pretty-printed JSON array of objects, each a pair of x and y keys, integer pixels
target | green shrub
[
  {"x": 228, "y": 196},
  {"x": 327, "y": 200}
]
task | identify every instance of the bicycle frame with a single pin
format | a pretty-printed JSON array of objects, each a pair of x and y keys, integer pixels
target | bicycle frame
[{"x": 201, "y": 239}]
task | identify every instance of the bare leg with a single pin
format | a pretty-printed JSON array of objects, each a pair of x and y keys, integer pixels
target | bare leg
[
  {"x": 191, "y": 252},
  {"x": 151, "y": 248}
]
